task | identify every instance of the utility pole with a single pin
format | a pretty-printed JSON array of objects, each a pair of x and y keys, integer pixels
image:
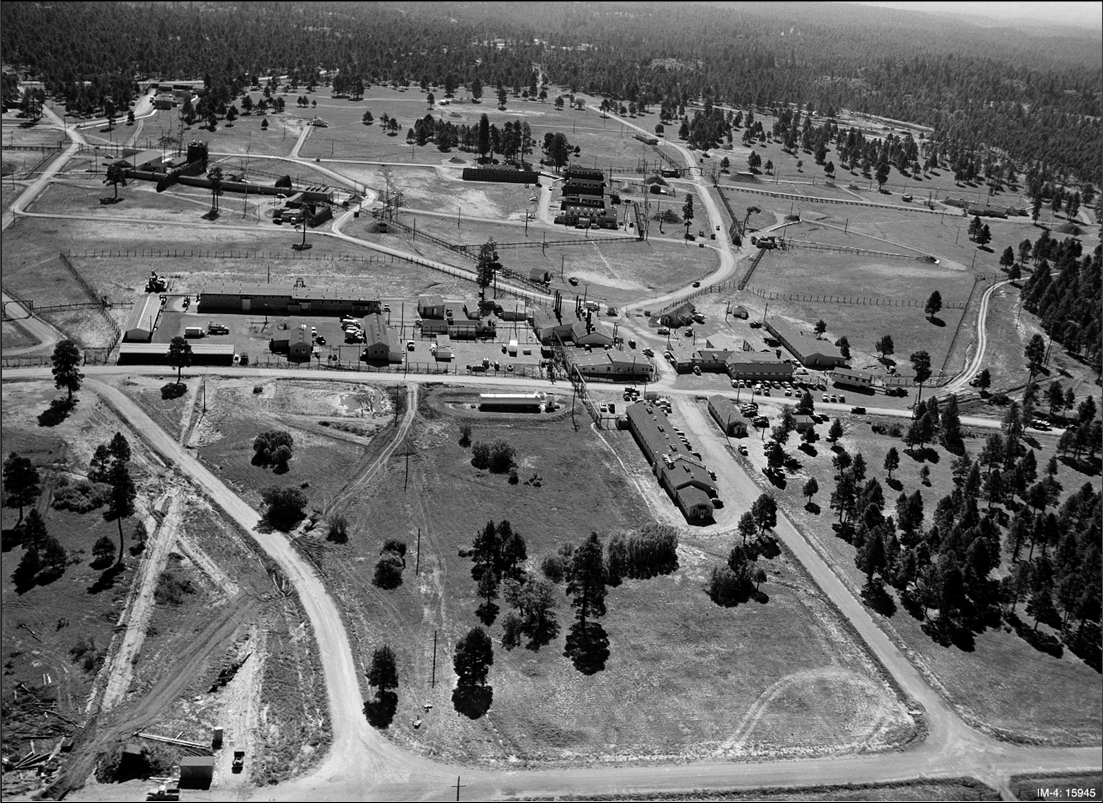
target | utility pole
[
  {"x": 417, "y": 564},
  {"x": 433, "y": 683}
]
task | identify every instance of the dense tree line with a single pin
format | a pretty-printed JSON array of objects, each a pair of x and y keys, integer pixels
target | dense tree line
[
  {"x": 1034, "y": 98},
  {"x": 945, "y": 573},
  {"x": 1066, "y": 292}
]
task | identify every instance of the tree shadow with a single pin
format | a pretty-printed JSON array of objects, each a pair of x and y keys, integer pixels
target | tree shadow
[
  {"x": 587, "y": 647},
  {"x": 380, "y": 711},
  {"x": 110, "y": 201},
  {"x": 809, "y": 449},
  {"x": 767, "y": 547},
  {"x": 948, "y": 633},
  {"x": 1038, "y": 639},
  {"x": 472, "y": 701},
  {"x": 173, "y": 390},
  {"x": 543, "y": 635},
  {"x": 1085, "y": 465},
  {"x": 1085, "y": 644},
  {"x": 11, "y": 538},
  {"x": 56, "y": 413},
  {"x": 895, "y": 484},
  {"x": 107, "y": 578},
  {"x": 777, "y": 479},
  {"x": 813, "y": 508},
  {"x": 879, "y": 599},
  {"x": 924, "y": 454},
  {"x": 934, "y": 319}
]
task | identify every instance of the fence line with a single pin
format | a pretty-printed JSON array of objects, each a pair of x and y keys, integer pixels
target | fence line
[
  {"x": 177, "y": 253},
  {"x": 807, "y": 199},
  {"x": 790, "y": 243},
  {"x": 771, "y": 295},
  {"x": 961, "y": 322},
  {"x": 750, "y": 270}
]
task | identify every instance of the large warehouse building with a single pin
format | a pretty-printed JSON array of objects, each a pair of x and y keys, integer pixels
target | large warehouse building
[
  {"x": 283, "y": 299},
  {"x": 143, "y": 319}
]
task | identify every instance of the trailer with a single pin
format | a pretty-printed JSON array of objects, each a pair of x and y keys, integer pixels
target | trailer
[{"x": 521, "y": 402}]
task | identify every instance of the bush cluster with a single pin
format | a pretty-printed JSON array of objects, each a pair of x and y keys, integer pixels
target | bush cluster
[
  {"x": 388, "y": 569},
  {"x": 80, "y": 497},
  {"x": 650, "y": 552},
  {"x": 273, "y": 448},
  {"x": 499, "y": 456}
]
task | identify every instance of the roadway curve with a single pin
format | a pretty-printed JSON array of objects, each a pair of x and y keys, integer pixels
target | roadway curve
[{"x": 961, "y": 381}]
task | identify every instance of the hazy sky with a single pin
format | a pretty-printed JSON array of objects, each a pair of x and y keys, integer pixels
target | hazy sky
[{"x": 1088, "y": 15}]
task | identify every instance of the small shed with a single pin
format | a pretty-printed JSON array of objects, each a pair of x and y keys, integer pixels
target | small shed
[
  {"x": 299, "y": 348},
  {"x": 196, "y": 772},
  {"x": 740, "y": 312}
]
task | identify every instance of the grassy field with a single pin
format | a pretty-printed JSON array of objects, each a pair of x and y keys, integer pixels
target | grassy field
[
  {"x": 820, "y": 274},
  {"x": 818, "y": 698},
  {"x": 996, "y": 683}
]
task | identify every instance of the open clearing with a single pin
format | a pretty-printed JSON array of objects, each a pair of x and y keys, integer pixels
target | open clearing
[
  {"x": 878, "y": 282},
  {"x": 675, "y": 686}
]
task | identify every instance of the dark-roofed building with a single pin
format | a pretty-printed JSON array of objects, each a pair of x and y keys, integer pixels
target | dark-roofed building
[
  {"x": 430, "y": 306},
  {"x": 740, "y": 312},
  {"x": 299, "y": 346},
  {"x": 280, "y": 299},
  {"x": 678, "y": 470},
  {"x": 811, "y": 352},
  {"x": 143, "y": 319},
  {"x": 851, "y": 377},
  {"x": 196, "y": 772},
  {"x": 681, "y": 315},
  {"x": 379, "y": 343},
  {"x": 512, "y": 310},
  {"x": 804, "y": 422},
  {"x": 727, "y": 415},
  {"x": 147, "y": 160},
  {"x": 592, "y": 334},
  {"x": 611, "y": 365},
  {"x": 158, "y": 354},
  {"x": 545, "y": 326},
  {"x": 539, "y": 275},
  {"x": 758, "y": 365}
]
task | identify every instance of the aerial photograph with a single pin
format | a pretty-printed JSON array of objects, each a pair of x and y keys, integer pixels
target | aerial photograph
[{"x": 551, "y": 401}]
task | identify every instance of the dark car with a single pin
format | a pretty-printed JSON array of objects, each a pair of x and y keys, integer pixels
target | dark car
[
  {"x": 858, "y": 410},
  {"x": 696, "y": 284}
]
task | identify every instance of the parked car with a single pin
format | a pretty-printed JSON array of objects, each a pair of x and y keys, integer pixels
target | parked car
[
  {"x": 742, "y": 449},
  {"x": 697, "y": 370},
  {"x": 217, "y": 329},
  {"x": 696, "y": 284},
  {"x": 858, "y": 410},
  {"x": 572, "y": 281},
  {"x": 689, "y": 332},
  {"x": 761, "y": 421},
  {"x": 824, "y": 397},
  {"x": 663, "y": 330}
]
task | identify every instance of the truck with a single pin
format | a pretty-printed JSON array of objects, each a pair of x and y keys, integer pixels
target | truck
[
  {"x": 193, "y": 331},
  {"x": 239, "y": 761},
  {"x": 512, "y": 348}
]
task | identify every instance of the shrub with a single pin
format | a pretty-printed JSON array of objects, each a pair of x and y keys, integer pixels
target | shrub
[
  {"x": 480, "y": 455},
  {"x": 272, "y": 447},
  {"x": 171, "y": 589},
  {"x": 396, "y": 546},
  {"x": 338, "y": 529},
  {"x": 173, "y": 391},
  {"x": 513, "y": 478},
  {"x": 82, "y": 496},
  {"x": 388, "y": 571},
  {"x": 553, "y": 567},
  {"x": 501, "y": 457},
  {"x": 465, "y": 435},
  {"x": 285, "y": 506}
]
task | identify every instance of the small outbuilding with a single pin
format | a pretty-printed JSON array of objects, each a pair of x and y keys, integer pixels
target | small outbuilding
[
  {"x": 196, "y": 772},
  {"x": 143, "y": 319}
]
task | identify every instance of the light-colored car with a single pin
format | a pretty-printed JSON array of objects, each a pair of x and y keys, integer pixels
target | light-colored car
[{"x": 742, "y": 449}]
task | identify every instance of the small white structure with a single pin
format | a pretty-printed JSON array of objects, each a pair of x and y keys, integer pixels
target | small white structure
[{"x": 524, "y": 402}]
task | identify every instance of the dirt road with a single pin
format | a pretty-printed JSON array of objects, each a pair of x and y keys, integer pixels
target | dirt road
[
  {"x": 972, "y": 368},
  {"x": 372, "y": 467}
]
